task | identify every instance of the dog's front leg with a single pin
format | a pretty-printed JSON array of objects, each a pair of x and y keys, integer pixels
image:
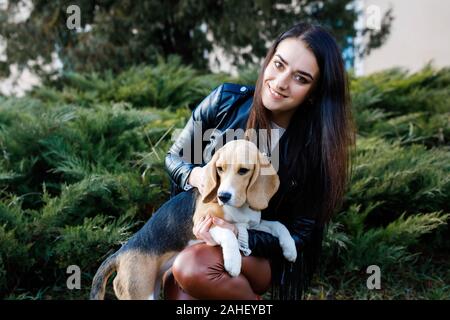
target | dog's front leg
[
  {"x": 277, "y": 229},
  {"x": 230, "y": 247}
]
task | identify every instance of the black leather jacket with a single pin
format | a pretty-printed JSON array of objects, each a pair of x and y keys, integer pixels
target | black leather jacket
[{"x": 228, "y": 107}]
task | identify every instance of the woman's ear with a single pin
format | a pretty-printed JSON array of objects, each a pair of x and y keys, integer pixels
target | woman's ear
[
  {"x": 211, "y": 179},
  {"x": 263, "y": 184}
]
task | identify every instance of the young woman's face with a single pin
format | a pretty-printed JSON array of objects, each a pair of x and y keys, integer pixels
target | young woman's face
[{"x": 288, "y": 79}]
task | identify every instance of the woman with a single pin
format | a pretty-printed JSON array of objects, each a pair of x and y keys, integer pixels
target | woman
[{"x": 301, "y": 90}]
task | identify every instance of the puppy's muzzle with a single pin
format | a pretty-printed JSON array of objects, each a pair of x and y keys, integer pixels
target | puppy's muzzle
[{"x": 224, "y": 197}]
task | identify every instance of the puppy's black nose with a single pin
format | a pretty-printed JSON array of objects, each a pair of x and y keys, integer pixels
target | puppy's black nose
[{"x": 224, "y": 196}]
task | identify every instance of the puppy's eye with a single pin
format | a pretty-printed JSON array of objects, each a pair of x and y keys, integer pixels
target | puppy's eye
[
  {"x": 219, "y": 169},
  {"x": 242, "y": 171}
]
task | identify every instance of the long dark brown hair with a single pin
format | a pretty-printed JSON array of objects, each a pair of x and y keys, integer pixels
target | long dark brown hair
[{"x": 321, "y": 131}]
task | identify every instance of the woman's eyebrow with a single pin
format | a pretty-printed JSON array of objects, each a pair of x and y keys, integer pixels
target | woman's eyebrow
[{"x": 299, "y": 71}]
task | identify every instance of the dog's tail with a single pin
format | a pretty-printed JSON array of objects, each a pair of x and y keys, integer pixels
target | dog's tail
[{"x": 101, "y": 277}]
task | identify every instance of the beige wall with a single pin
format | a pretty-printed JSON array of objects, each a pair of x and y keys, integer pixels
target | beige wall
[{"x": 420, "y": 32}]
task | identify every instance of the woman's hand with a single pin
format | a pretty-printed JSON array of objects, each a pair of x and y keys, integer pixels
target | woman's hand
[
  {"x": 201, "y": 229},
  {"x": 196, "y": 179},
  {"x": 224, "y": 224}
]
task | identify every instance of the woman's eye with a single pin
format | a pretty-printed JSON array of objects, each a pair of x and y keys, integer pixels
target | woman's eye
[
  {"x": 301, "y": 79},
  {"x": 219, "y": 169},
  {"x": 243, "y": 171},
  {"x": 277, "y": 64}
]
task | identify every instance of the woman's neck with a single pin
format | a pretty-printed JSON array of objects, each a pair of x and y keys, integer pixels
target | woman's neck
[{"x": 282, "y": 119}]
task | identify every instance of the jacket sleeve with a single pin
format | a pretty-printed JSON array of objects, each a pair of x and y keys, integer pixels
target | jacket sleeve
[
  {"x": 265, "y": 245},
  {"x": 186, "y": 152}
]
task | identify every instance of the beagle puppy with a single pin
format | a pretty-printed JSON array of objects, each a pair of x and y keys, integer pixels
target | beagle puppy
[
  {"x": 239, "y": 184},
  {"x": 244, "y": 181}
]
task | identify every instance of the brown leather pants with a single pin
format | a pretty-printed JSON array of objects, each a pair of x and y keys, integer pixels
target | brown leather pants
[{"x": 198, "y": 273}]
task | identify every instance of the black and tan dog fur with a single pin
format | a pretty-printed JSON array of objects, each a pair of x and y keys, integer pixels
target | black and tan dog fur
[{"x": 235, "y": 170}]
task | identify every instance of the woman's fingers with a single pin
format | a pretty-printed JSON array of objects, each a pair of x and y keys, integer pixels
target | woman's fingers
[
  {"x": 201, "y": 226},
  {"x": 221, "y": 222},
  {"x": 198, "y": 226},
  {"x": 205, "y": 225},
  {"x": 224, "y": 224},
  {"x": 201, "y": 231},
  {"x": 204, "y": 233}
]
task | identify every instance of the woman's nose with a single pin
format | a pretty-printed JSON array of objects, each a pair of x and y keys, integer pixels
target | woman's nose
[{"x": 281, "y": 82}]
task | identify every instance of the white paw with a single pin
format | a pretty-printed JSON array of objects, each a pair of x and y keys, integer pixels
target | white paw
[
  {"x": 232, "y": 263},
  {"x": 289, "y": 249}
]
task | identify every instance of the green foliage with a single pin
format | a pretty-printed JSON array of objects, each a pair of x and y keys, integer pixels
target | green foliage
[
  {"x": 384, "y": 246},
  {"x": 75, "y": 178},
  {"x": 166, "y": 85},
  {"x": 82, "y": 168},
  {"x": 118, "y": 34},
  {"x": 407, "y": 179},
  {"x": 410, "y": 108},
  {"x": 169, "y": 84}
]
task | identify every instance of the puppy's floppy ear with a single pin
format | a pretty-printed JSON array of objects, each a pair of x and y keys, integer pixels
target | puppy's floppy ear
[
  {"x": 211, "y": 179},
  {"x": 262, "y": 187}
]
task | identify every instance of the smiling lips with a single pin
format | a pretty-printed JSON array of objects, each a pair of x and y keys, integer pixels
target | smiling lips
[{"x": 275, "y": 95}]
